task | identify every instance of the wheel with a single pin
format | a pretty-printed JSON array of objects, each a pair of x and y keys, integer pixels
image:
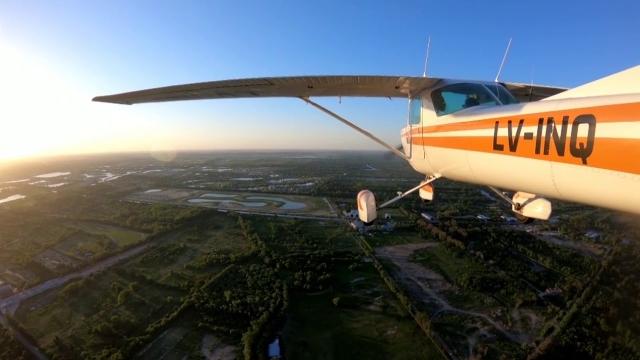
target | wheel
[{"x": 523, "y": 219}]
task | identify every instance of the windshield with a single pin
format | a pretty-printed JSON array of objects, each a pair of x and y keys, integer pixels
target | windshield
[
  {"x": 456, "y": 97},
  {"x": 505, "y": 97}
]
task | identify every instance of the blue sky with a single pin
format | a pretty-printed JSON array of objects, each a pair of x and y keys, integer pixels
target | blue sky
[{"x": 89, "y": 48}]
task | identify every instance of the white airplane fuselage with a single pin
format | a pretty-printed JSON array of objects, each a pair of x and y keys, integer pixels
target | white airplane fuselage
[{"x": 583, "y": 150}]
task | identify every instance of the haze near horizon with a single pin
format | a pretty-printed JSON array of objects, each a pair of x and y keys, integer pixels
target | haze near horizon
[{"x": 56, "y": 58}]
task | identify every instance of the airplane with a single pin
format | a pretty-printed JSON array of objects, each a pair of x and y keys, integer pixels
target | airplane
[{"x": 580, "y": 145}]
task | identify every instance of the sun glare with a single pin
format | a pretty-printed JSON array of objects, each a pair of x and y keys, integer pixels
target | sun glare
[{"x": 44, "y": 112}]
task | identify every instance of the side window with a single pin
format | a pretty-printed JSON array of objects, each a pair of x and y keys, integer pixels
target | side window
[
  {"x": 456, "y": 97},
  {"x": 415, "y": 111}
]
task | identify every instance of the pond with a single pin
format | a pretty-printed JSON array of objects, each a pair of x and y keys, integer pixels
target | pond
[
  {"x": 287, "y": 204},
  {"x": 11, "y": 198},
  {"x": 243, "y": 203},
  {"x": 54, "y": 174},
  {"x": 218, "y": 195}
]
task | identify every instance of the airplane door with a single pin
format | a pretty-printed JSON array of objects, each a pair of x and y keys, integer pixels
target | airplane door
[{"x": 415, "y": 125}]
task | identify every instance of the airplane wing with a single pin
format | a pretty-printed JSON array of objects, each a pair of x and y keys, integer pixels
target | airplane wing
[
  {"x": 307, "y": 86},
  {"x": 530, "y": 92},
  {"x": 292, "y": 86}
]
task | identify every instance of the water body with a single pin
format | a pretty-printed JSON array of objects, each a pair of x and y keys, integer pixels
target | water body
[
  {"x": 288, "y": 205},
  {"x": 12, "y": 197},
  {"x": 243, "y": 203},
  {"x": 16, "y": 181},
  {"x": 54, "y": 174},
  {"x": 218, "y": 195}
]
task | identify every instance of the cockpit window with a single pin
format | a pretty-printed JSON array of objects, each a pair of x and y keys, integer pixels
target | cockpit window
[
  {"x": 456, "y": 97},
  {"x": 505, "y": 97}
]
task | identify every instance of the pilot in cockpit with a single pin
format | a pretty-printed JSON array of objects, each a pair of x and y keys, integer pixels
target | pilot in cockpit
[{"x": 470, "y": 102}]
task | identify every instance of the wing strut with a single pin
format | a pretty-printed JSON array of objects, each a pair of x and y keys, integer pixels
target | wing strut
[{"x": 355, "y": 127}]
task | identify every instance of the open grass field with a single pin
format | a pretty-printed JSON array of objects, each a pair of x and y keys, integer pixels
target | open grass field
[
  {"x": 105, "y": 295},
  {"x": 177, "y": 255},
  {"x": 121, "y": 236},
  {"x": 367, "y": 323}
]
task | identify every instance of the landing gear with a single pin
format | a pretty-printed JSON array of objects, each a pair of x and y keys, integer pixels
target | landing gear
[
  {"x": 426, "y": 193},
  {"x": 523, "y": 219},
  {"x": 367, "y": 210},
  {"x": 527, "y": 207}
]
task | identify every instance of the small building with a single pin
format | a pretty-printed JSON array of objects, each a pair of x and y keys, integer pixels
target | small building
[
  {"x": 352, "y": 213},
  {"x": 387, "y": 227},
  {"x": 387, "y": 216},
  {"x": 428, "y": 217},
  {"x": 593, "y": 235},
  {"x": 552, "y": 292}
]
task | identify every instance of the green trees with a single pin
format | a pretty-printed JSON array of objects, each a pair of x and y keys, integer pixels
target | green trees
[{"x": 10, "y": 348}]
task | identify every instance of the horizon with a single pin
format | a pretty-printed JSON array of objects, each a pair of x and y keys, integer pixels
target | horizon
[
  {"x": 158, "y": 156},
  {"x": 67, "y": 55}
]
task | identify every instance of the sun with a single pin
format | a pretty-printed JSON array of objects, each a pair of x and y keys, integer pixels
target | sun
[{"x": 43, "y": 110}]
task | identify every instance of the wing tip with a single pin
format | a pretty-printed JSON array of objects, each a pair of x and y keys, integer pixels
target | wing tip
[{"x": 109, "y": 99}]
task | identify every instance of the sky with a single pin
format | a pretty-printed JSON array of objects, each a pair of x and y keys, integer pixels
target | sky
[{"x": 56, "y": 56}]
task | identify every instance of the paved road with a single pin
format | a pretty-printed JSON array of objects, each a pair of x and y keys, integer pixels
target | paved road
[
  {"x": 13, "y": 301},
  {"x": 305, "y": 217},
  {"x": 24, "y": 341}
]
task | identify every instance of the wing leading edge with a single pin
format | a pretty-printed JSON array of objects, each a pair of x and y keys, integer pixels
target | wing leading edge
[
  {"x": 305, "y": 86},
  {"x": 293, "y": 86}
]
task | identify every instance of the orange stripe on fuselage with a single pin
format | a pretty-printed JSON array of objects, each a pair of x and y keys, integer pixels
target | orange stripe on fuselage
[
  {"x": 618, "y": 154},
  {"x": 603, "y": 114},
  {"x": 611, "y": 154}
]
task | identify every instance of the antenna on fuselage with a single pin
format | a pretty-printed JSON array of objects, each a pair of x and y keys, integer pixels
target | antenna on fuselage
[
  {"x": 503, "y": 60},
  {"x": 426, "y": 61},
  {"x": 531, "y": 92}
]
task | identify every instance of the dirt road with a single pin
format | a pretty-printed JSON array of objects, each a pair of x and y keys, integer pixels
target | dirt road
[
  {"x": 420, "y": 280},
  {"x": 11, "y": 303},
  {"x": 24, "y": 341}
]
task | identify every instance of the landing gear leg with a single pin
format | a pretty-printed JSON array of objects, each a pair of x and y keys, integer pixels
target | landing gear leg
[
  {"x": 514, "y": 205},
  {"x": 367, "y": 209}
]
